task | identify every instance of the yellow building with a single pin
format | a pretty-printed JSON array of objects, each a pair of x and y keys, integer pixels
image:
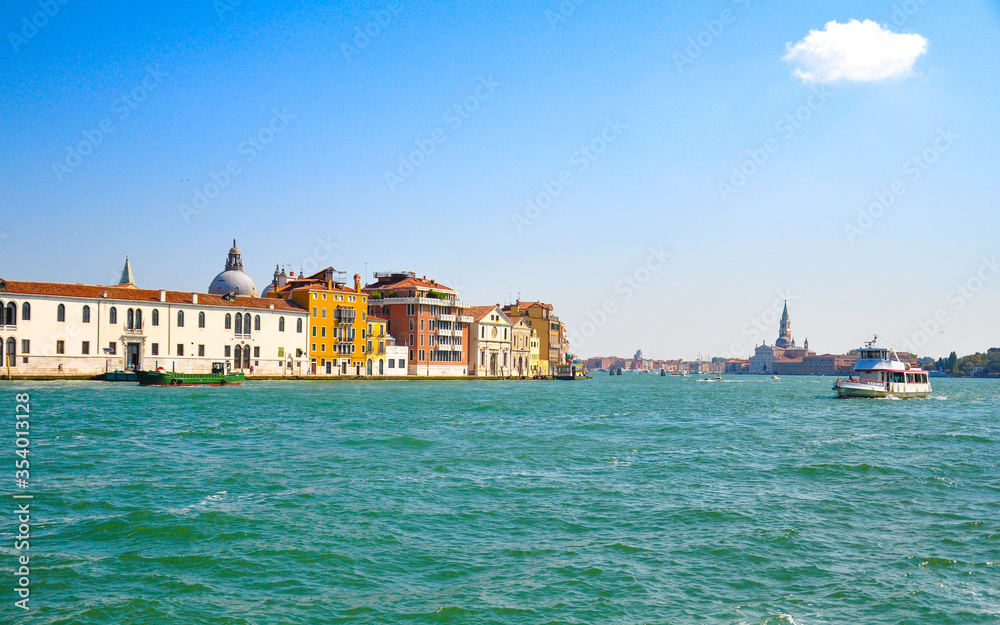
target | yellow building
[
  {"x": 539, "y": 365},
  {"x": 551, "y": 331},
  {"x": 338, "y": 320}
]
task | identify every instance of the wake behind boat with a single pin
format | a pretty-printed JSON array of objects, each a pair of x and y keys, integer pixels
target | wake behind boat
[{"x": 877, "y": 374}]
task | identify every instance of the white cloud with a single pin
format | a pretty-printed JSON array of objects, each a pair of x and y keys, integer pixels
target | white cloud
[{"x": 858, "y": 51}]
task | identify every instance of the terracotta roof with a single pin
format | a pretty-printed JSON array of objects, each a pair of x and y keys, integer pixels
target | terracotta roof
[
  {"x": 408, "y": 282},
  {"x": 379, "y": 319},
  {"x": 478, "y": 312},
  {"x": 151, "y": 296}
]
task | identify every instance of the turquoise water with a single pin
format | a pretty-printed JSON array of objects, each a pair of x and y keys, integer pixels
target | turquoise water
[{"x": 632, "y": 499}]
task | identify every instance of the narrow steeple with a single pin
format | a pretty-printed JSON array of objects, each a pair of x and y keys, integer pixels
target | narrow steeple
[{"x": 127, "y": 278}]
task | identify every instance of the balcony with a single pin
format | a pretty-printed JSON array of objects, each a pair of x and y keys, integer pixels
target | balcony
[
  {"x": 445, "y": 317},
  {"x": 427, "y": 301},
  {"x": 465, "y": 319},
  {"x": 442, "y": 332}
]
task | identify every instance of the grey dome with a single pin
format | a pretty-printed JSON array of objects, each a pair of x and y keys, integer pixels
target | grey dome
[{"x": 233, "y": 278}]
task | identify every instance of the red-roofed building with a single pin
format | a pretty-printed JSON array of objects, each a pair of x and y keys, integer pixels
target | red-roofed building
[
  {"x": 53, "y": 329},
  {"x": 427, "y": 318}
]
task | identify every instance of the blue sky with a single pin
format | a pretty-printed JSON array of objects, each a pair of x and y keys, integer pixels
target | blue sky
[{"x": 665, "y": 99}]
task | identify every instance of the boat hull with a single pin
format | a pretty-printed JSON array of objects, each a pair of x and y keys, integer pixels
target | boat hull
[
  {"x": 875, "y": 390},
  {"x": 170, "y": 378}
]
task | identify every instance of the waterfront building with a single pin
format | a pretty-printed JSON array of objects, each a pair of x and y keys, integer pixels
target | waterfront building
[
  {"x": 539, "y": 365},
  {"x": 551, "y": 331},
  {"x": 736, "y": 366},
  {"x": 520, "y": 348},
  {"x": 395, "y": 356},
  {"x": 783, "y": 356},
  {"x": 427, "y": 318},
  {"x": 232, "y": 279},
  {"x": 489, "y": 342},
  {"x": 56, "y": 329},
  {"x": 338, "y": 320}
]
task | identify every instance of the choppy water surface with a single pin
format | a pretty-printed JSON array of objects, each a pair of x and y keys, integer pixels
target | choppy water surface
[{"x": 632, "y": 499}]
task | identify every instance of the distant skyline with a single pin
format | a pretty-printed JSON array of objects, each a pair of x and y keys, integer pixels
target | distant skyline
[{"x": 662, "y": 175}]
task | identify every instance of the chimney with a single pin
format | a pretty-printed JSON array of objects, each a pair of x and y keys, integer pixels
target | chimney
[
  {"x": 163, "y": 295},
  {"x": 357, "y": 282},
  {"x": 194, "y": 298}
]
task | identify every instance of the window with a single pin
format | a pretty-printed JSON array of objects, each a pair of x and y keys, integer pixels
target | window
[
  {"x": 392, "y": 363},
  {"x": 362, "y": 333},
  {"x": 421, "y": 355},
  {"x": 411, "y": 343},
  {"x": 229, "y": 321},
  {"x": 201, "y": 350},
  {"x": 246, "y": 327},
  {"x": 112, "y": 348},
  {"x": 314, "y": 312},
  {"x": 180, "y": 349},
  {"x": 298, "y": 326},
  {"x": 60, "y": 346},
  {"x": 61, "y": 314},
  {"x": 256, "y": 323},
  {"x": 155, "y": 319},
  {"x": 201, "y": 320},
  {"x": 323, "y": 332},
  {"x": 401, "y": 363},
  {"x": 256, "y": 351},
  {"x": 85, "y": 348},
  {"x": 180, "y": 322},
  {"x": 86, "y": 314},
  {"x": 411, "y": 327},
  {"x": 113, "y": 315},
  {"x": 25, "y": 346},
  {"x": 281, "y": 324},
  {"x": 411, "y": 355},
  {"x": 130, "y": 319},
  {"x": 227, "y": 351},
  {"x": 155, "y": 348},
  {"x": 322, "y": 313},
  {"x": 138, "y": 318},
  {"x": 314, "y": 330},
  {"x": 421, "y": 325},
  {"x": 313, "y": 347},
  {"x": 25, "y": 314}
]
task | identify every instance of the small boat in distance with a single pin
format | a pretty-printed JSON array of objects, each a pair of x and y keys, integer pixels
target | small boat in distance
[
  {"x": 220, "y": 376},
  {"x": 876, "y": 374}
]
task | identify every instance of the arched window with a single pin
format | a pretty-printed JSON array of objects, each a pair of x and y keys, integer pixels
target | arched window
[
  {"x": 86, "y": 314},
  {"x": 256, "y": 323},
  {"x": 138, "y": 318},
  {"x": 113, "y": 315},
  {"x": 11, "y": 352},
  {"x": 3, "y": 313},
  {"x": 239, "y": 323},
  {"x": 12, "y": 314},
  {"x": 201, "y": 320},
  {"x": 61, "y": 313},
  {"x": 246, "y": 323},
  {"x": 237, "y": 358},
  {"x": 246, "y": 355},
  {"x": 229, "y": 321},
  {"x": 156, "y": 317},
  {"x": 180, "y": 318},
  {"x": 298, "y": 326},
  {"x": 130, "y": 319},
  {"x": 281, "y": 324},
  {"x": 25, "y": 311}
]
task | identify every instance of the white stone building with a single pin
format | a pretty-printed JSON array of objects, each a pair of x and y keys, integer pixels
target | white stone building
[
  {"x": 53, "y": 329},
  {"x": 489, "y": 342}
]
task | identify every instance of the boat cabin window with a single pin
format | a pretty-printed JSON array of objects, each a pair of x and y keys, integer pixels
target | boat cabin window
[
  {"x": 898, "y": 376},
  {"x": 909, "y": 378}
]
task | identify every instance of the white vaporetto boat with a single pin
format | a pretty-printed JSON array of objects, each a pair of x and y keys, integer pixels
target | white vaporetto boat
[{"x": 876, "y": 374}]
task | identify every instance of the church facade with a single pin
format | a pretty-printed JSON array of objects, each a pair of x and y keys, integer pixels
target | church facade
[{"x": 772, "y": 359}]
